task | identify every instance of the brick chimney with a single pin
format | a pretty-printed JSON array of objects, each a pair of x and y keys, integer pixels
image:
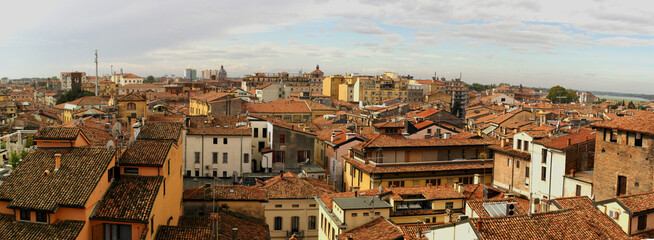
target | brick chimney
[
  {"x": 57, "y": 161},
  {"x": 572, "y": 173}
]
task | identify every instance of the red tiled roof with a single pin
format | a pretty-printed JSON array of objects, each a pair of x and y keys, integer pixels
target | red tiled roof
[
  {"x": 212, "y": 96},
  {"x": 183, "y": 233},
  {"x": 599, "y": 222},
  {"x": 29, "y": 187},
  {"x": 129, "y": 199},
  {"x": 292, "y": 107},
  {"x": 423, "y": 124},
  {"x": 564, "y": 224},
  {"x": 146, "y": 153},
  {"x": 160, "y": 131},
  {"x": 642, "y": 123},
  {"x": 637, "y": 203},
  {"x": 562, "y": 142},
  {"x": 378, "y": 229},
  {"x": 399, "y": 141},
  {"x": 290, "y": 186},
  {"x": 412, "y": 230},
  {"x": 191, "y": 228},
  {"x": 389, "y": 125},
  {"x": 428, "y": 112},
  {"x": 478, "y": 208},
  {"x": 133, "y": 96},
  {"x": 215, "y": 125},
  {"x": 237, "y": 193},
  {"x": 264, "y": 85},
  {"x": 10, "y": 229},
  {"x": 57, "y": 133}
]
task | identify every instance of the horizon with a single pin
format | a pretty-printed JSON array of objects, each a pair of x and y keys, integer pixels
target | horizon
[{"x": 592, "y": 45}]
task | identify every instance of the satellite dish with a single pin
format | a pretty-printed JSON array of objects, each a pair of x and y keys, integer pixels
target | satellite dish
[
  {"x": 116, "y": 130},
  {"x": 110, "y": 145},
  {"x": 130, "y": 142}
]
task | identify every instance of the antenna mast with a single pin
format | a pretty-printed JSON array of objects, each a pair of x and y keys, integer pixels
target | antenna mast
[{"x": 96, "y": 72}]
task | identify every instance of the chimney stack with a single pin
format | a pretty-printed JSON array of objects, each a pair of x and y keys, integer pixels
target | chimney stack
[
  {"x": 333, "y": 135},
  {"x": 572, "y": 173},
  {"x": 57, "y": 161},
  {"x": 234, "y": 231}
]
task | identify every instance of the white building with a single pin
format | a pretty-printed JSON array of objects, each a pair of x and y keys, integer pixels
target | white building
[
  {"x": 66, "y": 79},
  {"x": 261, "y": 130},
  {"x": 270, "y": 92},
  {"x": 127, "y": 78},
  {"x": 218, "y": 146}
]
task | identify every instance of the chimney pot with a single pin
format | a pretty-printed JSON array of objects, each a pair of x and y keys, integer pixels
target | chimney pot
[
  {"x": 57, "y": 161},
  {"x": 572, "y": 173}
]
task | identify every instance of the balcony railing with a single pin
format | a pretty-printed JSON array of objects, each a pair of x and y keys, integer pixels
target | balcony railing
[
  {"x": 298, "y": 234},
  {"x": 480, "y": 161}
]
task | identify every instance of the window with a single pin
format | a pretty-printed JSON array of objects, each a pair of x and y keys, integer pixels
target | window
[
  {"x": 365, "y": 214},
  {"x": 639, "y": 140},
  {"x": 188, "y": 173},
  {"x": 262, "y": 145},
  {"x": 449, "y": 205},
  {"x": 295, "y": 205},
  {"x": 278, "y": 205},
  {"x": 197, "y": 173},
  {"x": 278, "y": 223},
  {"x": 25, "y": 215},
  {"x": 224, "y": 174},
  {"x": 131, "y": 106},
  {"x": 164, "y": 186},
  {"x": 543, "y": 173},
  {"x": 526, "y": 146},
  {"x": 264, "y": 132},
  {"x": 312, "y": 222},
  {"x": 256, "y": 132},
  {"x": 614, "y": 135},
  {"x": 224, "y": 140},
  {"x": 642, "y": 222},
  {"x": 131, "y": 170},
  {"x": 295, "y": 224},
  {"x": 215, "y": 140},
  {"x": 526, "y": 172},
  {"x": 312, "y": 205},
  {"x": 246, "y": 157},
  {"x": 622, "y": 185},
  {"x": 354, "y": 214},
  {"x": 578, "y": 190},
  {"x": 214, "y": 156},
  {"x": 303, "y": 156},
  {"x": 508, "y": 162},
  {"x": 215, "y": 173},
  {"x": 396, "y": 183},
  {"x": 519, "y": 145},
  {"x": 282, "y": 138},
  {"x": 224, "y": 157},
  {"x": 544, "y": 156},
  {"x": 517, "y": 164},
  {"x": 197, "y": 157},
  {"x": 377, "y": 213},
  {"x": 279, "y": 156},
  {"x": 42, "y": 217},
  {"x": 432, "y": 182},
  {"x": 117, "y": 231}
]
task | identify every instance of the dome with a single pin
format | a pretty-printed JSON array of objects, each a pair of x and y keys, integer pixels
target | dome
[{"x": 222, "y": 70}]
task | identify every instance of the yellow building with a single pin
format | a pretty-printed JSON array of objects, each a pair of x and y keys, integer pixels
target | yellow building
[
  {"x": 5, "y": 97},
  {"x": 214, "y": 103},
  {"x": 331, "y": 85},
  {"x": 425, "y": 204},
  {"x": 383, "y": 88},
  {"x": 628, "y": 212},
  {"x": 107, "y": 88},
  {"x": 132, "y": 105},
  {"x": 394, "y": 161},
  {"x": 291, "y": 207},
  {"x": 342, "y": 212}
]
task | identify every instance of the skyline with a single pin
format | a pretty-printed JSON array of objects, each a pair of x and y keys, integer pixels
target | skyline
[{"x": 593, "y": 45}]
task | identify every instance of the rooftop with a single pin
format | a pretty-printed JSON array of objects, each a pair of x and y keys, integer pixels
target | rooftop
[
  {"x": 160, "y": 131},
  {"x": 129, "y": 199},
  {"x": 290, "y": 186},
  {"x": 239, "y": 193},
  {"x": 598, "y": 221},
  {"x": 29, "y": 187},
  {"x": 642, "y": 123},
  {"x": 378, "y": 229},
  {"x": 146, "y": 153},
  {"x": 428, "y": 192},
  {"x": 349, "y": 203},
  {"x": 57, "y": 133},
  {"x": 10, "y": 229}
]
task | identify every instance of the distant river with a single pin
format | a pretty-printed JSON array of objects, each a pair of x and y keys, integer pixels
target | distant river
[{"x": 622, "y": 97}]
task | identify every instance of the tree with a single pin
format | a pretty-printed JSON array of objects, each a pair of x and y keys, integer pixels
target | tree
[
  {"x": 559, "y": 94},
  {"x": 73, "y": 95},
  {"x": 3, "y": 145},
  {"x": 149, "y": 79},
  {"x": 29, "y": 142},
  {"x": 478, "y": 87},
  {"x": 631, "y": 105},
  {"x": 16, "y": 157}
]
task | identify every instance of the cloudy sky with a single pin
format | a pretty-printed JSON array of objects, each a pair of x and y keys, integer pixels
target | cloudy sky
[{"x": 581, "y": 44}]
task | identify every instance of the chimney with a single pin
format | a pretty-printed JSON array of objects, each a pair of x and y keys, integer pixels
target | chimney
[
  {"x": 57, "y": 161},
  {"x": 479, "y": 225},
  {"x": 234, "y": 231},
  {"x": 572, "y": 173},
  {"x": 333, "y": 135},
  {"x": 349, "y": 135}
]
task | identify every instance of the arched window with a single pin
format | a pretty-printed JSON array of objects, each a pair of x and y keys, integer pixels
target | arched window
[{"x": 131, "y": 106}]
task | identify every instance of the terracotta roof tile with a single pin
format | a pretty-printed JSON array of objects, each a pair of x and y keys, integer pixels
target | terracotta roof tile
[
  {"x": 160, "y": 131},
  {"x": 400, "y": 141},
  {"x": 146, "y": 153},
  {"x": 129, "y": 199},
  {"x": 599, "y": 222},
  {"x": 428, "y": 112},
  {"x": 184, "y": 233},
  {"x": 19, "y": 230},
  {"x": 215, "y": 125},
  {"x": 564, "y": 224},
  {"x": 642, "y": 123},
  {"x": 28, "y": 187},
  {"x": 190, "y": 228},
  {"x": 428, "y": 192},
  {"x": 239, "y": 193},
  {"x": 290, "y": 186},
  {"x": 378, "y": 229},
  {"x": 58, "y": 133},
  {"x": 133, "y": 96},
  {"x": 638, "y": 202},
  {"x": 412, "y": 230},
  {"x": 565, "y": 141}
]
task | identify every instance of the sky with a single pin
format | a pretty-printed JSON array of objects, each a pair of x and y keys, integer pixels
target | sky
[{"x": 600, "y": 45}]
